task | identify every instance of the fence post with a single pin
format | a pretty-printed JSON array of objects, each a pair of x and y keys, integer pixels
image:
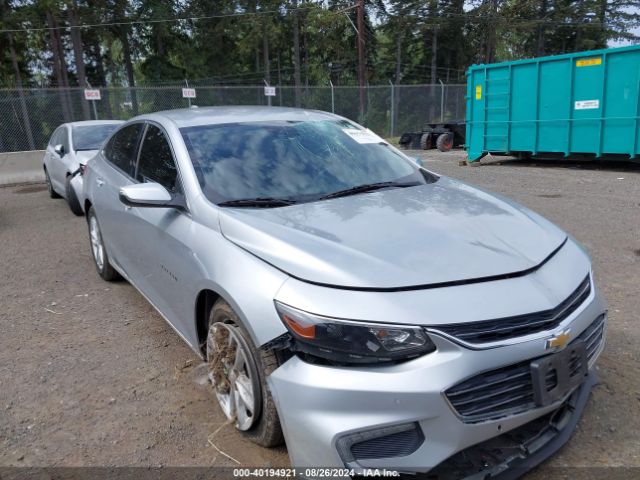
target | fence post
[
  {"x": 441, "y": 101},
  {"x": 393, "y": 110},
  {"x": 25, "y": 118},
  {"x": 333, "y": 100},
  {"x": 268, "y": 97},
  {"x": 93, "y": 102},
  {"x": 188, "y": 98}
]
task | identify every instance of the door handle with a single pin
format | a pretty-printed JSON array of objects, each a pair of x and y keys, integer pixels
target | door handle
[{"x": 99, "y": 182}]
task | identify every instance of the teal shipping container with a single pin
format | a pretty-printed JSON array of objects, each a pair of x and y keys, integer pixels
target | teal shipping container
[{"x": 577, "y": 104}]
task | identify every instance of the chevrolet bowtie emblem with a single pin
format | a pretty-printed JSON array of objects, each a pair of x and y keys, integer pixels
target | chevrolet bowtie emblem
[{"x": 559, "y": 340}]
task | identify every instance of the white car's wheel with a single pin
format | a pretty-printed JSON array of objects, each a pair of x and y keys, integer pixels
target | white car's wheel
[
  {"x": 52, "y": 192},
  {"x": 237, "y": 372},
  {"x": 98, "y": 251},
  {"x": 234, "y": 375}
]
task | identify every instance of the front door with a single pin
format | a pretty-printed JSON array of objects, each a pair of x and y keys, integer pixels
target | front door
[{"x": 163, "y": 259}]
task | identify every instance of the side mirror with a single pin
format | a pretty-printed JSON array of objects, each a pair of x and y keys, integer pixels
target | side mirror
[
  {"x": 149, "y": 195},
  {"x": 418, "y": 161},
  {"x": 59, "y": 149}
]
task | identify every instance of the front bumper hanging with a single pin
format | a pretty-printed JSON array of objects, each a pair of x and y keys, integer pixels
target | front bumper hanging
[{"x": 512, "y": 454}]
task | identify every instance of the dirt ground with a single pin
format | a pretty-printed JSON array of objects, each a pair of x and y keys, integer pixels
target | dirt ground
[{"x": 90, "y": 375}]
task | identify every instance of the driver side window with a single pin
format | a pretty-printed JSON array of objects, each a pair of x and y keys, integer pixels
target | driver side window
[{"x": 156, "y": 162}]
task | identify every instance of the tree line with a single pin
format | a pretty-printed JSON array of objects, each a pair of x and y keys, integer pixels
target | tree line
[{"x": 70, "y": 43}]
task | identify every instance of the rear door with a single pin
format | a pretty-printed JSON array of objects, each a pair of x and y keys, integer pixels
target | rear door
[{"x": 120, "y": 155}]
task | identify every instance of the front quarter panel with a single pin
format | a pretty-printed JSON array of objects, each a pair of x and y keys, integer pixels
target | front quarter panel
[{"x": 247, "y": 283}]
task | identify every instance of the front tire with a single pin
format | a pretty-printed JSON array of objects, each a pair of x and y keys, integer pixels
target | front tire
[
  {"x": 98, "y": 251},
  {"x": 237, "y": 373},
  {"x": 52, "y": 192},
  {"x": 72, "y": 198}
]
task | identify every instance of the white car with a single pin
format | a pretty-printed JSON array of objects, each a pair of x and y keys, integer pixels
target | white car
[
  {"x": 71, "y": 146},
  {"x": 370, "y": 313}
]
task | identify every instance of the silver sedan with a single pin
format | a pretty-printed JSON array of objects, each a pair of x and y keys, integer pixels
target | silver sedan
[
  {"x": 71, "y": 146},
  {"x": 369, "y": 312}
]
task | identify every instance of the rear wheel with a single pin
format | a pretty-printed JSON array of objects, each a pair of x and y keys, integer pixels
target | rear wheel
[
  {"x": 237, "y": 373},
  {"x": 72, "y": 198},
  {"x": 99, "y": 253},
  {"x": 52, "y": 192},
  {"x": 444, "y": 143}
]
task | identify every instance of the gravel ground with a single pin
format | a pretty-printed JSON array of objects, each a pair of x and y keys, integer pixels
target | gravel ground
[{"x": 90, "y": 375}]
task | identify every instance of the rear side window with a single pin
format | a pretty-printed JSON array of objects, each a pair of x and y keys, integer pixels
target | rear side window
[
  {"x": 123, "y": 147},
  {"x": 156, "y": 162}
]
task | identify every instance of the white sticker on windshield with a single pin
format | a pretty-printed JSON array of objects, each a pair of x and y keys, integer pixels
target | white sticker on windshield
[{"x": 363, "y": 136}]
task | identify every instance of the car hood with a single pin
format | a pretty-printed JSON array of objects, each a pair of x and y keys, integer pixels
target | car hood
[{"x": 431, "y": 234}]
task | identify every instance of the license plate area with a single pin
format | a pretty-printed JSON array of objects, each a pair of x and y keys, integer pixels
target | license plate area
[{"x": 556, "y": 375}]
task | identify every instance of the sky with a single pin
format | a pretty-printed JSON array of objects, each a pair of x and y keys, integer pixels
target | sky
[
  {"x": 636, "y": 31},
  {"x": 618, "y": 43}
]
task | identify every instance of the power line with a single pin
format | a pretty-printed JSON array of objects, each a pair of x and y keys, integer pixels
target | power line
[
  {"x": 167, "y": 20},
  {"x": 439, "y": 20}
]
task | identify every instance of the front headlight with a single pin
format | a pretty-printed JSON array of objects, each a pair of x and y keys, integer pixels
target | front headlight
[{"x": 345, "y": 341}]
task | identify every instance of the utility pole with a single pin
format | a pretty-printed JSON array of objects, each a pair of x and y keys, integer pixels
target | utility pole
[
  {"x": 296, "y": 55},
  {"x": 361, "y": 58}
]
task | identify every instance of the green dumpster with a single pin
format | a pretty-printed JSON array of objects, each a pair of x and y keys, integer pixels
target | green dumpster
[{"x": 576, "y": 104}]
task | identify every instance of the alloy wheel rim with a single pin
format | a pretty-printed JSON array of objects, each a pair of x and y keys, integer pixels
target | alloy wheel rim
[
  {"x": 231, "y": 373},
  {"x": 96, "y": 243}
]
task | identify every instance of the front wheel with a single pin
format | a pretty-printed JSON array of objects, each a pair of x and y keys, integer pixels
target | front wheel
[
  {"x": 98, "y": 252},
  {"x": 52, "y": 192},
  {"x": 237, "y": 373}
]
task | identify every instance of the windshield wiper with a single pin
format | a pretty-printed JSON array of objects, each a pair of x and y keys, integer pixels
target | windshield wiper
[
  {"x": 264, "y": 202},
  {"x": 369, "y": 187}
]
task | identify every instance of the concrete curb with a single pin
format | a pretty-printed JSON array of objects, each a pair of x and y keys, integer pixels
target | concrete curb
[{"x": 21, "y": 167}]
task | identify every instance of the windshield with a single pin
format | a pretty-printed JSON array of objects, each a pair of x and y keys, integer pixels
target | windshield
[
  {"x": 301, "y": 161},
  {"x": 90, "y": 137}
]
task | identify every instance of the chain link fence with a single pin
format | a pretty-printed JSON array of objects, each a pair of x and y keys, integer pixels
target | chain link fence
[{"x": 29, "y": 116}]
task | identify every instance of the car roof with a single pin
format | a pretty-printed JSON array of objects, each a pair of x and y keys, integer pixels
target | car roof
[
  {"x": 84, "y": 123},
  {"x": 189, "y": 117}
]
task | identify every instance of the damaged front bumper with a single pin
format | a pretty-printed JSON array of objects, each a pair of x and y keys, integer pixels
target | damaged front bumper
[
  {"x": 512, "y": 454},
  {"x": 401, "y": 417}
]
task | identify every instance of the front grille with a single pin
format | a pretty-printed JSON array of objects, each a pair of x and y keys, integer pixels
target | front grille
[
  {"x": 592, "y": 336},
  {"x": 509, "y": 390},
  {"x": 514, "y": 450},
  {"x": 520, "y": 325}
]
